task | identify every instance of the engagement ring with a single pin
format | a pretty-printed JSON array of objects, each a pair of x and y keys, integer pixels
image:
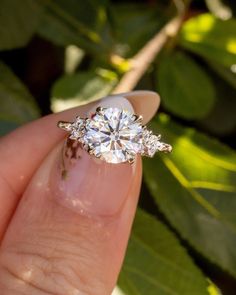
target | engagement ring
[{"x": 114, "y": 135}]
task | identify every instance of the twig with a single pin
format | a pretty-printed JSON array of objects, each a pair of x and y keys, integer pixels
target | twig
[{"x": 142, "y": 60}]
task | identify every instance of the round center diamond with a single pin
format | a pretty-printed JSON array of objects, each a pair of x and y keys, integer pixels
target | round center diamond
[{"x": 113, "y": 135}]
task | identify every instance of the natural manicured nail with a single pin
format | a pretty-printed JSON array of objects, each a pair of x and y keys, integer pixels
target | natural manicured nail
[{"x": 88, "y": 185}]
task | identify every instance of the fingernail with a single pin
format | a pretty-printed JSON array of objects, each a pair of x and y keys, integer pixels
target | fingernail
[{"x": 88, "y": 185}]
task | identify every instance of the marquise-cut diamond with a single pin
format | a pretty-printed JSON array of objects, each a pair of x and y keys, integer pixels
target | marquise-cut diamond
[{"x": 113, "y": 135}]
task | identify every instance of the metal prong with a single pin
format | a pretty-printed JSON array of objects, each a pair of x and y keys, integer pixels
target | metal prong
[
  {"x": 130, "y": 157},
  {"x": 138, "y": 119},
  {"x": 89, "y": 150},
  {"x": 64, "y": 125},
  {"x": 99, "y": 109},
  {"x": 131, "y": 160},
  {"x": 73, "y": 137},
  {"x": 164, "y": 147}
]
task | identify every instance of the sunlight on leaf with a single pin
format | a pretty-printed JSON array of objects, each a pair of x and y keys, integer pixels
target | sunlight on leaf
[
  {"x": 119, "y": 63},
  {"x": 212, "y": 289},
  {"x": 204, "y": 24},
  {"x": 156, "y": 263},
  {"x": 191, "y": 187},
  {"x": 211, "y": 38},
  {"x": 231, "y": 46},
  {"x": 81, "y": 88}
]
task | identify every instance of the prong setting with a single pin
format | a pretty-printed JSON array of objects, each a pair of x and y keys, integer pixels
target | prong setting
[
  {"x": 130, "y": 157},
  {"x": 67, "y": 126},
  {"x": 99, "y": 109},
  {"x": 115, "y": 136},
  {"x": 138, "y": 119}
]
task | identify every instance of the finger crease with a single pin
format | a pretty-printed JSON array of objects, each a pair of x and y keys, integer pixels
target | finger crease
[
  {"x": 29, "y": 283},
  {"x": 8, "y": 184}
]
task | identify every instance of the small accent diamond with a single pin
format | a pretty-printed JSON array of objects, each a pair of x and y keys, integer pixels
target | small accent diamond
[
  {"x": 77, "y": 128},
  {"x": 152, "y": 144}
]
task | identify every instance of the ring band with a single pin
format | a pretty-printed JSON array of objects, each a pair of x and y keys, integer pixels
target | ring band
[{"x": 114, "y": 135}]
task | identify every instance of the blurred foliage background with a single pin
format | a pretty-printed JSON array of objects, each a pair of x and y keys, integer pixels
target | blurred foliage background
[{"x": 58, "y": 54}]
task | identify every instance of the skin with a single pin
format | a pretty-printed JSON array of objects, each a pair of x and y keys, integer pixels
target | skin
[{"x": 64, "y": 236}]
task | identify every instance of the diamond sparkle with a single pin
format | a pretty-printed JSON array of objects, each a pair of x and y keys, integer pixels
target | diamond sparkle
[{"x": 113, "y": 135}]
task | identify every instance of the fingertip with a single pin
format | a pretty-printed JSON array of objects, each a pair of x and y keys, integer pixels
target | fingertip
[{"x": 144, "y": 102}]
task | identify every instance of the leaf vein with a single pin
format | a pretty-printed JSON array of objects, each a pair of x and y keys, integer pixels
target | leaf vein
[
  {"x": 159, "y": 257},
  {"x": 187, "y": 185}
]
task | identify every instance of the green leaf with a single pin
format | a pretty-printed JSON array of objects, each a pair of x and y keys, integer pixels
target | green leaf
[
  {"x": 195, "y": 187},
  {"x": 221, "y": 120},
  {"x": 7, "y": 126},
  {"x": 185, "y": 88},
  {"x": 211, "y": 38},
  {"x": 17, "y": 104},
  {"x": 80, "y": 23},
  {"x": 212, "y": 289},
  {"x": 229, "y": 75},
  {"x": 18, "y": 21},
  {"x": 81, "y": 88},
  {"x": 135, "y": 24},
  {"x": 156, "y": 263}
]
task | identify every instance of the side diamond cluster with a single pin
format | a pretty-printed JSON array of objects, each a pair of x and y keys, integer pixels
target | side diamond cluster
[
  {"x": 77, "y": 129},
  {"x": 152, "y": 144},
  {"x": 115, "y": 135}
]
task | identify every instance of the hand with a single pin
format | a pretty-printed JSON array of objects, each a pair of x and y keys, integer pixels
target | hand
[{"x": 65, "y": 220}]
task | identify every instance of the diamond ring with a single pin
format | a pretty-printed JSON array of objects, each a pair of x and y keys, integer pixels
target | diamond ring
[{"x": 114, "y": 135}]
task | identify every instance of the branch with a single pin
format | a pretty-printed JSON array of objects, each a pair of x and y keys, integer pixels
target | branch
[{"x": 142, "y": 60}]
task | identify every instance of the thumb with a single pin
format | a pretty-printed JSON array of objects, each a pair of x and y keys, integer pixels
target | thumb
[{"x": 70, "y": 231}]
